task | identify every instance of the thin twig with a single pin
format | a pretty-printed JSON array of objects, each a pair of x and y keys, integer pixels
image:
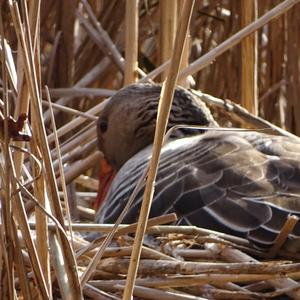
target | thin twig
[{"x": 286, "y": 229}]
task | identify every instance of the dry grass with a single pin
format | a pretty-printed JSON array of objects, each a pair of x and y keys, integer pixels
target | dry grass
[{"x": 71, "y": 54}]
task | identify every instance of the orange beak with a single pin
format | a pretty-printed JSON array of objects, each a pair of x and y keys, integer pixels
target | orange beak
[{"x": 106, "y": 176}]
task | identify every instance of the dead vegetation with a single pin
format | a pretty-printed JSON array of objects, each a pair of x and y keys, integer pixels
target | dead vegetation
[{"x": 60, "y": 61}]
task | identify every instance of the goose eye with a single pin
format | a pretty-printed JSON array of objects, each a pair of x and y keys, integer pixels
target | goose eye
[{"x": 103, "y": 126}]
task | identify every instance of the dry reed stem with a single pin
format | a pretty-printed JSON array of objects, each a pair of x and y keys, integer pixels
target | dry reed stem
[
  {"x": 223, "y": 291},
  {"x": 21, "y": 268},
  {"x": 52, "y": 58},
  {"x": 7, "y": 236},
  {"x": 279, "y": 268},
  {"x": 31, "y": 78},
  {"x": 76, "y": 122},
  {"x": 292, "y": 71},
  {"x": 20, "y": 213},
  {"x": 218, "y": 293},
  {"x": 185, "y": 81},
  {"x": 167, "y": 218},
  {"x": 195, "y": 254},
  {"x": 249, "y": 92},
  {"x": 161, "y": 125},
  {"x": 100, "y": 37},
  {"x": 79, "y": 92},
  {"x": 92, "y": 265},
  {"x": 233, "y": 255},
  {"x": 21, "y": 218},
  {"x": 85, "y": 135},
  {"x": 61, "y": 168},
  {"x": 71, "y": 111},
  {"x": 58, "y": 262},
  {"x": 39, "y": 186},
  {"x": 149, "y": 293},
  {"x": 112, "y": 50},
  {"x": 273, "y": 84},
  {"x": 42, "y": 235},
  {"x": 107, "y": 240},
  {"x": 121, "y": 231},
  {"x": 104, "y": 39},
  {"x": 207, "y": 58},
  {"x": 149, "y": 267},
  {"x": 209, "y": 291},
  {"x": 131, "y": 41},
  {"x": 286, "y": 229},
  {"x": 88, "y": 182},
  {"x": 274, "y": 88},
  {"x": 97, "y": 294},
  {"x": 22, "y": 106},
  {"x": 9, "y": 69},
  {"x": 237, "y": 37},
  {"x": 158, "y": 230},
  {"x": 77, "y": 154},
  {"x": 195, "y": 231},
  {"x": 89, "y": 78},
  {"x": 282, "y": 291},
  {"x": 64, "y": 62},
  {"x": 257, "y": 122},
  {"x": 175, "y": 281},
  {"x": 126, "y": 251},
  {"x": 81, "y": 166},
  {"x": 154, "y": 229},
  {"x": 168, "y": 25}
]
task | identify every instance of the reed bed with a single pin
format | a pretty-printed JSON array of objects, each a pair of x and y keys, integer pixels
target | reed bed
[{"x": 60, "y": 63}]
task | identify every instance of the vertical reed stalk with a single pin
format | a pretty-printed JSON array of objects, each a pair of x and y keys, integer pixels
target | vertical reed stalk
[
  {"x": 7, "y": 273},
  {"x": 131, "y": 41},
  {"x": 249, "y": 58},
  {"x": 161, "y": 125},
  {"x": 292, "y": 70},
  {"x": 185, "y": 81},
  {"x": 167, "y": 33}
]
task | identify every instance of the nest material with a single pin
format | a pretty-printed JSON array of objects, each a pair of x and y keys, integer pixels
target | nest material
[{"x": 61, "y": 45}]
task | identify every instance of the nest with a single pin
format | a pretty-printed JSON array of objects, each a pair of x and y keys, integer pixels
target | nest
[{"x": 54, "y": 58}]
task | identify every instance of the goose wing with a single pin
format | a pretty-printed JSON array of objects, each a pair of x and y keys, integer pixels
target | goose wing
[{"x": 222, "y": 181}]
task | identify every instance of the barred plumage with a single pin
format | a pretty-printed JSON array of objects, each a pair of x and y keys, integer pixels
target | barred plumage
[{"x": 226, "y": 181}]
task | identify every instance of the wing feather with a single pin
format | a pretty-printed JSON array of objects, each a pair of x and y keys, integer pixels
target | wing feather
[{"x": 222, "y": 181}]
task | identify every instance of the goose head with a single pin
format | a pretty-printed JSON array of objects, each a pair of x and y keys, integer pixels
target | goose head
[{"x": 127, "y": 123}]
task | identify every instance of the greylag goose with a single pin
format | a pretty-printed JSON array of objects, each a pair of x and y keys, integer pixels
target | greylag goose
[{"x": 220, "y": 180}]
